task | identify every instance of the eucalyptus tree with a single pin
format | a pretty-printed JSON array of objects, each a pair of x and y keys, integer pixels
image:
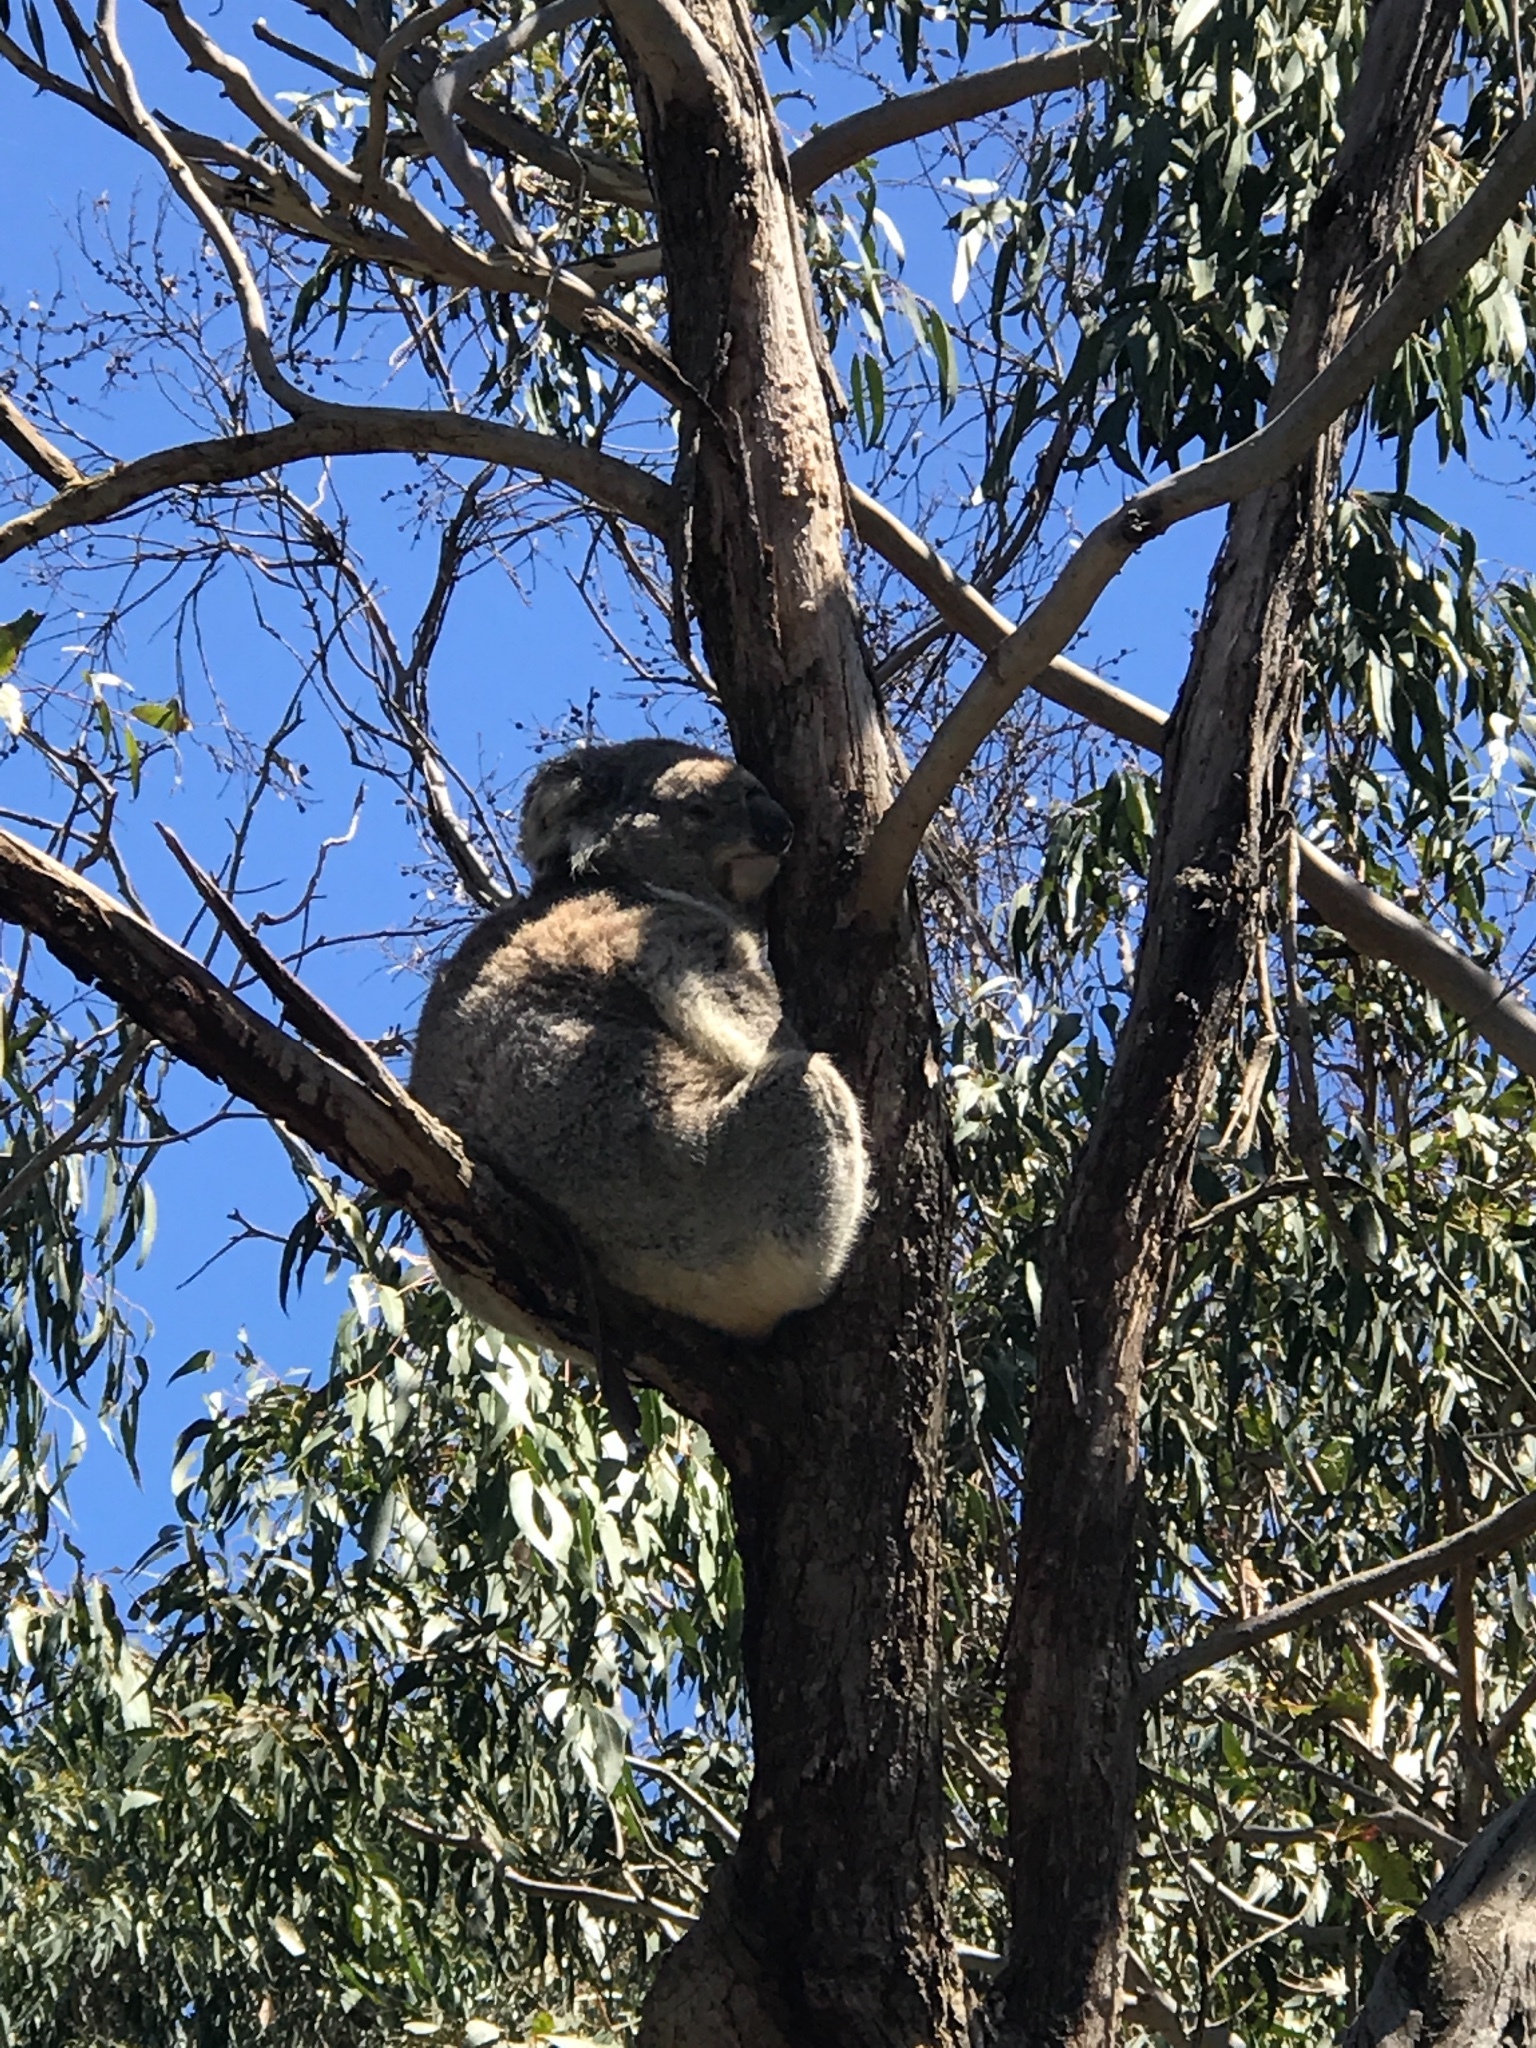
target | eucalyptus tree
[{"x": 1231, "y": 255}]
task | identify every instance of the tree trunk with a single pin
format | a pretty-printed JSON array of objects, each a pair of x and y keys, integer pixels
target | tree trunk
[
  {"x": 827, "y": 1926},
  {"x": 1463, "y": 1973},
  {"x": 1072, "y": 1720}
]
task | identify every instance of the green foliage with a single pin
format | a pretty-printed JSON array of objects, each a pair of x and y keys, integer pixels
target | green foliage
[
  {"x": 427, "y": 1718},
  {"x": 76, "y": 1106}
]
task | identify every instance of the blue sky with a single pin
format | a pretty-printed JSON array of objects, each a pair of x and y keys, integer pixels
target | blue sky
[{"x": 521, "y": 663}]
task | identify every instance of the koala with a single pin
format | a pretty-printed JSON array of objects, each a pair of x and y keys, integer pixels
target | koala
[{"x": 615, "y": 1042}]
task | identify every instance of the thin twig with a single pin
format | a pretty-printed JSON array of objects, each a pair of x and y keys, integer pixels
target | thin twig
[
  {"x": 304, "y": 1010},
  {"x": 592, "y": 1896},
  {"x": 183, "y": 181},
  {"x": 26, "y": 1176},
  {"x": 1375, "y": 928}
]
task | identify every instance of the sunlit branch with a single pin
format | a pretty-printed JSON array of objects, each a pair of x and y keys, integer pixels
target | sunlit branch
[
  {"x": 591, "y": 1896},
  {"x": 401, "y": 39},
  {"x": 346, "y": 430},
  {"x": 1375, "y": 928},
  {"x": 629, "y": 266},
  {"x": 45, "y": 80},
  {"x": 1509, "y": 1721},
  {"x": 339, "y": 75},
  {"x": 1487, "y": 1538},
  {"x": 906, "y": 116},
  {"x": 437, "y": 109},
  {"x": 253, "y": 313},
  {"x": 1428, "y": 278},
  {"x": 672, "y": 51},
  {"x": 446, "y": 257},
  {"x": 34, "y": 447}
]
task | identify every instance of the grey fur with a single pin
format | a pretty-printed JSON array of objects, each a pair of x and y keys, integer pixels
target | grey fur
[{"x": 615, "y": 1043}]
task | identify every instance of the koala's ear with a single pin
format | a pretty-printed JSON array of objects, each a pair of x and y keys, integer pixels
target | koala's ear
[{"x": 564, "y": 814}]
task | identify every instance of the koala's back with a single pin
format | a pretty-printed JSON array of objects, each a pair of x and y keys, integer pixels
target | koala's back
[{"x": 625, "y": 1057}]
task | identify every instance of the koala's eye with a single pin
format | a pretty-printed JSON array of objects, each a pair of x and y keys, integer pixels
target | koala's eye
[{"x": 699, "y": 807}]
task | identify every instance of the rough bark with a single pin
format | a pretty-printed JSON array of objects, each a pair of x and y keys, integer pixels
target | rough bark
[
  {"x": 827, "y": 1924},
  {"x": 1071, "y": 1717},
  {"x": 1463, "y": 1972}
]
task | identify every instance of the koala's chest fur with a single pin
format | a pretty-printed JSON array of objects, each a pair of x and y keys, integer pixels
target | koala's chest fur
[{"x": 602, "y": 1015}]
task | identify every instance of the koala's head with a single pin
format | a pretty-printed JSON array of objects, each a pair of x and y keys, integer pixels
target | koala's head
[{"x": 657, "y": 812}]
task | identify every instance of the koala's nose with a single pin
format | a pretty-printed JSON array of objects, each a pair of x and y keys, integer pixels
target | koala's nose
[{"x": 771, "y": 829}]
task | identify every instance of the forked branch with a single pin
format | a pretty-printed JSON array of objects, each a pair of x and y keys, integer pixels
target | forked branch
[
  {"x": 1375, "y": 928},
  {"x": 1429, "y": 277}
]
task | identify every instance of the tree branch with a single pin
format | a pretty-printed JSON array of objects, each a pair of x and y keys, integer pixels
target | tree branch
[
  {"x": 437, "y": 107},
  {"x": 600, "y": 1901},
  {"x": 347, "y": 430},
  {"x": 501, "y": 1238},
  {"x": 1373, "y": 927},
  {"x": 1428, "y": 278},
  {"x": 1482, "y": 1539},
  {"x": 905, "y": 116},
  {"x": 302, "y": 1009},
  {"x": 601, "y": 177},
  {"x": 34, "y": 448},
  {"x": 146, "y": 130},
  {"x": 572, "y": 302}
]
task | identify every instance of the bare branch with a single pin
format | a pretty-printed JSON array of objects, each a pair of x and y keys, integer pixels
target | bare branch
[
  {"x": 1495, "y": 1533},
  {"x": 905, "y": 116},
  {"x": 449, "y": 259},
  {"x": 303, "y": 1010},
  {"x": 1429, "y": 276},
  {"x": 347, "y": 430},
  {"x": 62, "y": 88},
  {"x": 437, "y": 107},
  {"x": 1414, "y": 1640},
  {"x": 34, "y": 447},
  {"x": 402, "y": 38},
  {"x": 964, "y": 608},
  {"x": 1509, "y": 1721},
  {"x": 352, "y": 80},
  {"x": 253, "y": 313},
  {"x": 403, "y": 697},
  {"x": 1373, "y": 927}
]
